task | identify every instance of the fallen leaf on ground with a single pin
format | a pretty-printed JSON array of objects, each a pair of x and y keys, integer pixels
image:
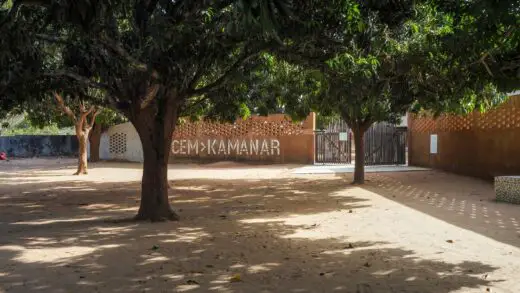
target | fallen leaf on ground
[
  {"x": 449, "y": 241},
  {"x": 235, "y": 278},
  {"x": 349, "y": 246}
]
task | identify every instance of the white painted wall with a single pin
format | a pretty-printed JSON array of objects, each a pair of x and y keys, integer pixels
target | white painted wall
[
  {"x": 134, "y": 151},
  {"x": 103, "y": 149}
]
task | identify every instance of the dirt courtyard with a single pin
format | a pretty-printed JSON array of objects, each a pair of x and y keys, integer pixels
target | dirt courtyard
[{"x": 253, "y": 229}]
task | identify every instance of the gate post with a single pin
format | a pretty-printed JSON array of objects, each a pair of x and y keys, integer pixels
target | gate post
[
  {"x": 409, "y": 154},
  {"x": 309, "y": 127}
]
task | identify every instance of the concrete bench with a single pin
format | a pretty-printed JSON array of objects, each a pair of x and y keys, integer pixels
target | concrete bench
[{"x": 507, "y": 189}]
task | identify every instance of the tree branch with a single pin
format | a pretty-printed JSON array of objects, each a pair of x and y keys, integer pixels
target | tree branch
[
  {"x": 487, "y": 67},
  {"x": 84, "y": 116},
  {"x": 150, "y": 95},
  {"x": 77, "y": 77},
  {"x": 223, "y": 78},
  {"x": 181, "y": 10},
  {"x": 196, "y": 103},
  {"x": 120, "y": 50},
  {"x": 82, "y": 108},
  {"x": 93, "y": 119},
  {"x": 193, "y": 83},
  {"x": 64, "y": 107},
  {"x": 112, "y": 102},
  {"x": 52, "y": 39}
]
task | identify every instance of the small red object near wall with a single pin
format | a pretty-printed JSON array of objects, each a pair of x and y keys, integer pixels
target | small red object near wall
[{"x": 3, "y": 156}]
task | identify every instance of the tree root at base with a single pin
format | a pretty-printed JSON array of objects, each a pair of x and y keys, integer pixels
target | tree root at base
[
  {"x": 80, "y": 173},
  {"x": 170, "y": 216}
]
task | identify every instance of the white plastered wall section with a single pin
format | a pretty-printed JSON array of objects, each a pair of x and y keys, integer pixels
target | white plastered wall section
[{"x": 122, "y": 143}]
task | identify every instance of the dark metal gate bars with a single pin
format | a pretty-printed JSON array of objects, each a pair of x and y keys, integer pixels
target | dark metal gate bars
[
  {"x": 385, "y": 144},
  {"x": 333, "y": 145}
]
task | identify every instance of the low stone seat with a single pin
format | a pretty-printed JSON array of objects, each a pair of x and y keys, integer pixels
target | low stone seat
[{"x": 507, "y": 189}]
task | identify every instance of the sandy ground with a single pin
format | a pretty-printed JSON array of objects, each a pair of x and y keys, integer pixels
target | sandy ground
[{"x": 253, "y": 229}]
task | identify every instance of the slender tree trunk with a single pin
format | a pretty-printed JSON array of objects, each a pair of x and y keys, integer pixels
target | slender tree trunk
[
  {"x": 82, "y": 127},
  {"x": 95, "y": 140},
  {"x": 82, "y": 154},
  {"x": 359, "y": 167},
  {"x": 155, "y": 126}
]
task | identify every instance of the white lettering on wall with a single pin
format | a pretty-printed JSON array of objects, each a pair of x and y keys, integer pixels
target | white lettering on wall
[
  {"x": 211, "y": 147},
  {"x": 222, "y": 148},
  {"x": 175, "y": 147},
  {"x": 253, "y": 144},
  {"x": 243, "y": 148},
  {"x": 193, "y": 146},
  {"x": 275, "y": 147},
  {"x": 182, "y": 151},
  {"x": 265, "y": 149},
  {"x": 225, "y": 147},
  {"x": 233, "y": 146}
]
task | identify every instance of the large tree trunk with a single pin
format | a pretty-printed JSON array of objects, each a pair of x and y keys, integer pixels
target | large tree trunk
[
  {"x": 82, "y": 154},
  {"x": 95, "y": 140},
  {"x": 359, "y": 164},
  {"x": 155, "y": 126},
  {"x": 155, "y": 205}
]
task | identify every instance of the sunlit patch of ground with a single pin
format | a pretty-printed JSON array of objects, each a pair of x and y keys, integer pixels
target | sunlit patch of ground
[{"x": 253, "y": 229}]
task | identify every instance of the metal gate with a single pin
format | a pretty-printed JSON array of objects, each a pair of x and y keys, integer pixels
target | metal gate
[
  {"x": 385, "y": 144},
  {"x": 334, "y": 144}
]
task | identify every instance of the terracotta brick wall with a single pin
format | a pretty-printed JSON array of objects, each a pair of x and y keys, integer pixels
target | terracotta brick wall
[
  {"x": 274, "y": 138},
  {"x": 480, "y": 145}
]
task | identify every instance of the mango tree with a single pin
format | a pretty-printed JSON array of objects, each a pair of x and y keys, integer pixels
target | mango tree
[{"x": 151, "y": 60}]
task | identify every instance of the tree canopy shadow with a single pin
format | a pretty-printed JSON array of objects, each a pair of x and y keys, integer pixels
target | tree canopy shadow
[
  {"x": 234, "y": 236},
  {"x": 466, "y": 202}
]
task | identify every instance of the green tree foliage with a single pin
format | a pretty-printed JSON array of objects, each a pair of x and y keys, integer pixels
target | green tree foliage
[
  {"x": 153, "y": 61},
  {"x": 473, "y": 60},
  {"x": 485, "y": 39},
  {"x": 269, "y": 86},
  {"x": 26, "y": 128},
  {"x": 389, "y": 67},
  {"x": 384, "y": 64}
]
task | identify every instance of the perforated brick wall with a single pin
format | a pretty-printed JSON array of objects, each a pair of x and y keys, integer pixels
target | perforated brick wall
[
  {"x": 506, "y": 116},
  {"x": 479, "y": 144},
  {"x": 274, "y": 138},
  {"x": 270, "y": 126}
]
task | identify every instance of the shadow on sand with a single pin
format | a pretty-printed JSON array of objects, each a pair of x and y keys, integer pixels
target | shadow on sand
[{"x": 233, "y": 237}]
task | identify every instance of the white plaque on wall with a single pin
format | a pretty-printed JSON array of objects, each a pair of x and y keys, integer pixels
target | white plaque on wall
[
  {"x": 433, "y": 144},
  {"x": 343, "y": 136}
]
